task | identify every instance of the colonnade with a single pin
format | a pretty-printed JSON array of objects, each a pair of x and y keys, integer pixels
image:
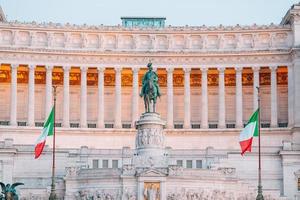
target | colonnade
[{"x": 135, "y": 97}]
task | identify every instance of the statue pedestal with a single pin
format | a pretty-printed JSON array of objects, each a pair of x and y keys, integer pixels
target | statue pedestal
[{"x": 150, "y": 141}]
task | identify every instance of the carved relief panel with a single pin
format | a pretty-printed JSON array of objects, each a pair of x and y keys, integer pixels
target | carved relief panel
[
  {"x": 75, "y": 40},
  {"x": 246, "y": 41},
  {"x": 280, "y": 39},
  {"x": 58, "y": 40},
  {"x": 162, "y": 42},
  {"x": 178, "y": 42},
  {"x": 6, "y": 37},
  {"x": 109, "y": 41},
  {"x": 92, "y": 41},
  {"x": 212, "y": 42},
  {"x": 150, "y": 137},
  {"x": 40, "y": 39},
  {"x": 262, "y": 40},
  {"x": 143, "y": 42},
  {"x": 23, "y": 38},
  {"x": 229, "y": 41},
  {"x": 125, "y": 42},
  {"x": 195, "y": 42},
  {"x": 151, "y": 191}
]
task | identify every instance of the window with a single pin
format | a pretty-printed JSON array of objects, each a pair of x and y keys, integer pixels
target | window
[
  {"x": 95, "y": 164},
  {"x": 104, "y": 163},
  {"x": 179, "y": 163},
  {"x": 199, "y": 164},
  {"x": 189, "y": 164},
  {"x": 298, "y": 184},
  {"x": 115, "y": 164}
]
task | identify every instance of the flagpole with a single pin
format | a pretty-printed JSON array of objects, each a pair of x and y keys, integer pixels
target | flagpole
[
  {"x": 52, "y": 194},
  {"x": 259, "y": 191}
]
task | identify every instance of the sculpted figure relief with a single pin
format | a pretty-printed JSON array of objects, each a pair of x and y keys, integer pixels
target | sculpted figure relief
[
  {"x": 151, "y": 193},
  {"x": 150, "y": 89}
]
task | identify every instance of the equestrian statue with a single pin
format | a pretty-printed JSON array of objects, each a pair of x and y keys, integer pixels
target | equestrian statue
[{"x": 150, "y": 89}]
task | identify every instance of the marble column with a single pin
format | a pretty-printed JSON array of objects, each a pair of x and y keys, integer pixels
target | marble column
[
  {"x": 83, "y": 98},
  {"x": 187, "y": 99},
  {"x": 100, "y": 119},
  {"x": 221, "y": 123},
  {"x": 238, "y": 98},
  {"x": 135, "y": 97},
  {"x": 66, "y": 110},
  {"x": 170, "y": 113},
  {"x": 118, "y": 99},
  {"x": 204, "y": 114},
  {"x": 48, "y": 99},
  {"x": 274, "y": 119},
  {"x": 291, "y": 95},
  {"x": 255, "y": 85},
  {"x": 31, "y": 103},
  {"x": 13, "y": 95}
]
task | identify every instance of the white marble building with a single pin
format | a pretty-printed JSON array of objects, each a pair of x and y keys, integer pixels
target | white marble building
[{"x": 208, "y": 78}]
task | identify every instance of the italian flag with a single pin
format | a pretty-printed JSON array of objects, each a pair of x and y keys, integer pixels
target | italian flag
[
  {"x": 251, "y": 130},
  {"x": 47, "y": 131}
]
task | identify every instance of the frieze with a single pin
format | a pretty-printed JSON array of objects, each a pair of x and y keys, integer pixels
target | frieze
[
  {"x": 75, "y": 78},
  {"x": 264, "y": 78},
  {"x": 178, "y": 80},
  {"x": 126, "y": 79},
  {"x": 92, "y": 79},
  {"x": 212, "y": 79},
  {"x": 195, "y": 80},
  {"x": 39, "y": 77},
  {"x": 57, "y": 78},
  {"x": 5, "y": 76},
  {"x": 247, "y": 79},
  {"x": 109, "y": 79},
  {"x": 229, "y": 79},
  {"x": 282, "y": 78},
  {"x": 162, "y": 80},
  {"x": 22, "y": 76}
]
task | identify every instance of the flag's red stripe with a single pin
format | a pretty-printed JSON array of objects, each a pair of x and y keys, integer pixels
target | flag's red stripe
[
  {"x": 246, "y": 145},
  {"x": 39, "y": 149}
]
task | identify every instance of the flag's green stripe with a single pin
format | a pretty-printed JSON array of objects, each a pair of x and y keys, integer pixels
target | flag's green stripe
[
  {"x": 50, "y": 122},
  {"x": 254, "y": 118}
]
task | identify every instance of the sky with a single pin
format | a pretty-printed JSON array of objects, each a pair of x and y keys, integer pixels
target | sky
[{"x": 177, "y": 12}]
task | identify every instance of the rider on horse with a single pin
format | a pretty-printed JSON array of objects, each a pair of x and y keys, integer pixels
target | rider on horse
[{"x": 150, "y": 88}]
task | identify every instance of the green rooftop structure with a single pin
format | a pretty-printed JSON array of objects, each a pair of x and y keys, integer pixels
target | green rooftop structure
[{"x": 158, "y": 22}]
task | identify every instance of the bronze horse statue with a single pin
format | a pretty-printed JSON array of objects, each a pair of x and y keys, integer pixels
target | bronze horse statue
[
  {"x": 150, "y": 89},
  {"x": 9, "y": 191}
]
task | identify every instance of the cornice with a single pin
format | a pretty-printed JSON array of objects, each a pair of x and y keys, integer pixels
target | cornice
[{"x": 118, "y": 28}]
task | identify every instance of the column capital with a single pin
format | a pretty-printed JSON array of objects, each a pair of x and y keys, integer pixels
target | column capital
[
  {"x": 118, "y": 69},
  {"x": 170, "y": 70},
  {"x": 66, "y": 68},
  {"x": 204, "y": 70},
  {"x": 100, "y": 69},
  {"x": 255, "y": 69},
  {"x": 273, "y": 68},
  {"x": 187, "y": 70},
  {"x": 83, "y": 68},
  {"x": 31, "y": 66},
  {"x": 221, "y": 70},
  {"x": 14, "y": 66},
  {"x": 49, "y": 67},
  {"x": 238, "y": 69},
  {"x": 135, "y": 70}
]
